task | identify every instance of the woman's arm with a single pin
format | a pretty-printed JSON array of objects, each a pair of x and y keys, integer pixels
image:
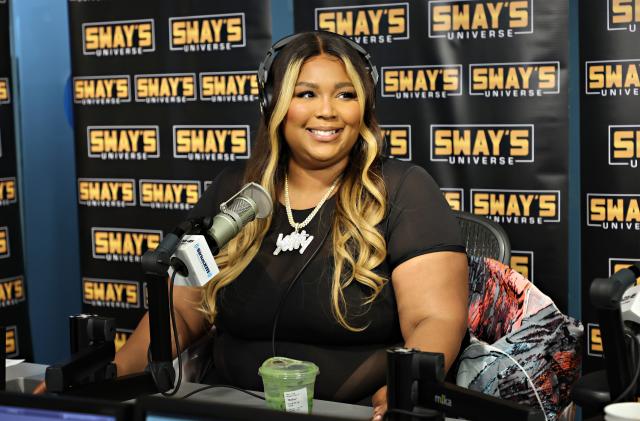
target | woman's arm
[
  {"x": 431, "y": 292},
  {"x": 190, "y": 322}
]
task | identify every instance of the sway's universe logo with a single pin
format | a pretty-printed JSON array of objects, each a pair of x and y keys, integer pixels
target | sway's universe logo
[
  {"x": 470, "y": 19},
  {"x": 5, "y": 247},
  {"x": 123, "y": 142},
  {"x": 169, "y": 194},
  {"x": 612, "y": 77},
  {"x": 611, "y": 211},
  {"x": 455, "y": 197},
  {"x": 5, "y": 91},
  {"x": 523, "y": 79},
  {"x": 531, "y": 207},
  {"x": 422, "y": 82},
  {"x": 398, "y": 139},
  {"x": 101, "y": 90},
  {"x": 211, "y": 142},
  {"x": 121, "y": 337},
  {"x": 522, "y": 261},
  {"x": 107, "y": 192},
  {"x": 8, "y": 191},
  {"x": 366, "y": 24},
  {"x": 624, "y": 145},
  {"x": 220, "y": 32},
  {"x": 239, "y": 86},
  {"x": 12, "y": 348},
  {"x": 110, "y": 293},
  {"x": 118, "y": 38},
  {"x": 623, "y": 15},
  {"x": 482, "y": 144},
  {"x": 11, "y": 291},
  {"x": 616, "y": 264},
  {"x": 122, "y": 244},
  {"x": 168, "y": 88},
  {"x": 594, "y": 340}
]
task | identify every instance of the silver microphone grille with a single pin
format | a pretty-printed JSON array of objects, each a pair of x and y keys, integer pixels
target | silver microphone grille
[{"x": 245, "y": 208}]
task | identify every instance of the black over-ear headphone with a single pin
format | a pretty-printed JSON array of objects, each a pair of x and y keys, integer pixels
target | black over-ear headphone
[{"x": 265, "y": 93}]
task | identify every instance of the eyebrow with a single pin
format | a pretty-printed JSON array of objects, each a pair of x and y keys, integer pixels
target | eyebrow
[{"x": 339, "y": 85}]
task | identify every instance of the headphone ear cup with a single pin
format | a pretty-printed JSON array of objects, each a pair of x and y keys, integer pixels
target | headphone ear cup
[{"x": 265, "y": 97}]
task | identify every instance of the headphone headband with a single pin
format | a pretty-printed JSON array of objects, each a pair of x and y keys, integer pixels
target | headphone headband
[{"x": 264, "y": 97}]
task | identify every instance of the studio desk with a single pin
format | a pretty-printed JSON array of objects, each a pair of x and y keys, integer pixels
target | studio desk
[{"x": 25, "y": 376}]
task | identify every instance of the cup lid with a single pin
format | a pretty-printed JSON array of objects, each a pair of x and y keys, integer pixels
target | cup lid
[
  {"x": 287, "y": 368},
  {"x": 623, "y": 410}
]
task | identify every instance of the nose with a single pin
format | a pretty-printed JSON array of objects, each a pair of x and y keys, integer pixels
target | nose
[{"x": 326, "y": 109}]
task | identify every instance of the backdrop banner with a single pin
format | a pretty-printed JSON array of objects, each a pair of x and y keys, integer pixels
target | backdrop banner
[
  {"x": 475, "y": 92},
  {"x": 14, "y": 312},
  {"x": 610, "y": 149},
  {"x": 165, "y": 96}
]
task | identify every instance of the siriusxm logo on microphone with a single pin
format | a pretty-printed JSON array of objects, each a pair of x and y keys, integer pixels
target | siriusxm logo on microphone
[
  {"x": 203, "y": 262},
  {"x": 198, "y": 260}
]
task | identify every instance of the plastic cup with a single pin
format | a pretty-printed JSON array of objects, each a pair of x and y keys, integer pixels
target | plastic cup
[
  {"x": 288, "y": 384},
  {"x": 623, "y": 411}
]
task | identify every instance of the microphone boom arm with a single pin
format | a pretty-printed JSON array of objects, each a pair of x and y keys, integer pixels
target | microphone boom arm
[{"x": 155, "y": 264}]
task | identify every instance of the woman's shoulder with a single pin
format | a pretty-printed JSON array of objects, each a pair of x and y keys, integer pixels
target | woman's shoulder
[
  {"x": 396, "y": 173},
  {"x": 232, "y": 174},
  {"x": 231, "y": 177},
  {"x": 224, "y": 185}
]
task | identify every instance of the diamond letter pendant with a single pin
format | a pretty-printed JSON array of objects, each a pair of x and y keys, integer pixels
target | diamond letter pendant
[{"x": 294, "y": 241}]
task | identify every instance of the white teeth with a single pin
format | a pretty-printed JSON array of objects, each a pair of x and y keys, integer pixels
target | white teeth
[{"x": 324, "y": 132}]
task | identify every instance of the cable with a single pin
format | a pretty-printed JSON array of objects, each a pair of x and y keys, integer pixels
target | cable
[
  {"x": 174, "y": 329},
  {"x": 211, "y": 386},
  {"x": 636, "y": 375}
]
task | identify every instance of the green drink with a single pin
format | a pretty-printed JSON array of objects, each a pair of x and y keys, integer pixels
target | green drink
[{"x": 289, "y": 384}]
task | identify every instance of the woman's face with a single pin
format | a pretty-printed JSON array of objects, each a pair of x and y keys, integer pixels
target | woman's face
[{"x": 323, "y": 121}]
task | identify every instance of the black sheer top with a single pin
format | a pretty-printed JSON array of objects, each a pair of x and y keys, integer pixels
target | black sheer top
[{"x": 352, "y": 364}]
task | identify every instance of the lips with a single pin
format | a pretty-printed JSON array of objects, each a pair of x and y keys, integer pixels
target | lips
[{"x": 324, "y": 134}]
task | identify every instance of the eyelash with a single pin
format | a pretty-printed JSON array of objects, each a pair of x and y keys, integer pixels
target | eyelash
[{"x": 311, "y": 94}]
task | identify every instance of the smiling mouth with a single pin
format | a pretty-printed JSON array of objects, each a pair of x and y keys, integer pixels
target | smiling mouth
[{"x": 324, "y": 133}]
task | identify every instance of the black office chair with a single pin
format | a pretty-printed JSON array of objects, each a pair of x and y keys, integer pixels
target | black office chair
[{"x": 484, "y": 238}]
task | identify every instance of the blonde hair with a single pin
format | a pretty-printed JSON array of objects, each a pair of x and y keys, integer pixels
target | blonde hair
[{"x": 358, "y": 246}]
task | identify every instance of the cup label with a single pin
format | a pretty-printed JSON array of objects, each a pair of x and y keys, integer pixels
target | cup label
[{"x": 296, "y": 401}]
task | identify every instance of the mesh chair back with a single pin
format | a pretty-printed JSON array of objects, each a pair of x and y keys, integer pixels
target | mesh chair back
[{"x": 484, "y": 238}]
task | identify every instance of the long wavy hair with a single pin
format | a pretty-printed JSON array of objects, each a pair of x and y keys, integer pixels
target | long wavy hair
[{"x": 358, "y": 246}]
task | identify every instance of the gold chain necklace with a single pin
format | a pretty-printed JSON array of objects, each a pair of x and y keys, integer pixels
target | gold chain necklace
[{"x": 299, "y": 240}]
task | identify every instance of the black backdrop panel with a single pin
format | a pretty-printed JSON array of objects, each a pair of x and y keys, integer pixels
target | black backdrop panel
[
  {"x": 14, "y": 314},
  {"x": 479, "y": 100},
  {"x": 165, "y": 97},
  {"x": 610, "y": 149}
]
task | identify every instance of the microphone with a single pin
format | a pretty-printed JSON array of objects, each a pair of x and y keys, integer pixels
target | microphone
[
  {"x": 251, "y": 202},
  {"x": 193, "y": 259}
]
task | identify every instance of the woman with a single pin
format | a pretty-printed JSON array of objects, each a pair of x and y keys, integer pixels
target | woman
[{"x": 378, "y": 259}]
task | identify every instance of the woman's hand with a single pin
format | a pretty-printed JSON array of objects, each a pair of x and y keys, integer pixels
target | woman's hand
[
  {"x": 379, "y": 401},
  {"x": 40, "y": 389}
]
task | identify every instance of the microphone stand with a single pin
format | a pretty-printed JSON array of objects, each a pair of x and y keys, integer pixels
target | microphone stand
[
  {"x": 416, "y": 389},
  {"x": 160, "y": 375},
  {"x": 593, "y": 391},
  {"x": 250, "y": 202}
]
